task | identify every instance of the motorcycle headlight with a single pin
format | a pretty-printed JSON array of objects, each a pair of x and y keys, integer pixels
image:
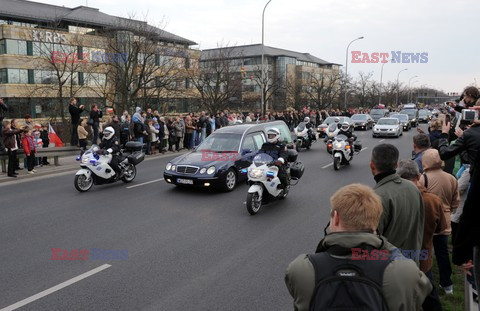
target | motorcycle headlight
[
  {"x": 203, "y": 170},
  {"x": 255, "y": 173},
  {"x": 211, "y": 170},
  {"x": 169, "y": 166},
  {"x": 338, "y": 145},
  {"x": 84, "y": 160}
]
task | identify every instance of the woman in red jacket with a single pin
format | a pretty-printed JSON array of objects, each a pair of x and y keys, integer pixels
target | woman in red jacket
[{"x": 30, "y": 149}]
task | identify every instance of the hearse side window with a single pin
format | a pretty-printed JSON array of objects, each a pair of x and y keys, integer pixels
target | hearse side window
[
  {"x": 259, "y": 140},
  {"x": 248, "y": 143}
]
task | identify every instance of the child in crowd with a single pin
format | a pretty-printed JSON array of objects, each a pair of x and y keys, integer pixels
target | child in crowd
[
  {"x": 82, "y": 136},
  {"x": 29, "y": 148},
  {"x": 37, "y": 140}
]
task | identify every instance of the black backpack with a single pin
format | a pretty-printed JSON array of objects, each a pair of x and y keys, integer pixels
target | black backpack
[{"x": 345, "y": 284}]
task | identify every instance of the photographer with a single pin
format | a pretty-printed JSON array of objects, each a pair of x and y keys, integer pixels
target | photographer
[
  {"x": 469, "y": 141},
  {"x": 470, "y": 95}
]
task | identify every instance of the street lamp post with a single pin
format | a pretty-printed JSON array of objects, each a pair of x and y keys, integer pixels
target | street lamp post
[
  {"x": 410, "y": 97},
  {"x": 263, "y": 69},
  {"x": 409, "y": 91},
  {"x": 381, "y": 79},
  {"x": 346, "y": 70},
  {"x": 398, "y": 77}
]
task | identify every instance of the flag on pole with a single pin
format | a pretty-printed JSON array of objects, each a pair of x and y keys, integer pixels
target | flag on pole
[{"x": 54, "y": 137}]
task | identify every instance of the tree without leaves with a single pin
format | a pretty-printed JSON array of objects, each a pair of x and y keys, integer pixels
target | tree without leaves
[
  {"x": 148, "y": 69},
  {"x": 216, "y": 79}
]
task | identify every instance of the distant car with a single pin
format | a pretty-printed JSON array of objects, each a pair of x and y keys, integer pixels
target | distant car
[
  {"x": 387, "y": 127},
  {"x": 423, "y": 116},
  {"x": 322, "y": 128},
  {"x": 412, "y": 116},
  {"x": 376, "y": 114},
  {"x": 403, "y": 118},
  {"x": 362, "y": 121},
  {"x": 218, "y": 160}
]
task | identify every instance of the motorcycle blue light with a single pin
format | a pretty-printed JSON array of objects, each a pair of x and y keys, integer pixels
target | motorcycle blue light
[
  {"x": 93, "y": 162},
  {"x": 270, "y": 174},
  {"x": 244, "y": 171},
  {"x": 78, "y": 158},
  {"x": 97, "y": 157}
]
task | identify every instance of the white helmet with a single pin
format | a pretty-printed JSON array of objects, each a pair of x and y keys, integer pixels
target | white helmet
[
  {"x": 337, "y": 120},
  {"x": 273, "y": 135},
  {"x": 306, "y": 120},
  {"x": 345, "y": 126},
  {"x": 108, "y": 133}
]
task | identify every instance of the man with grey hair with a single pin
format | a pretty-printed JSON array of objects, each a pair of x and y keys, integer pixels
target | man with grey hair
[
  {"x": 421, "y": 142},
  {"x": 435, "y": 223}
]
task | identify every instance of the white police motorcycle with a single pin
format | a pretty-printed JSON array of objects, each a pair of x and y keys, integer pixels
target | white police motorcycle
[
  {"x": 263, "y": 180},
  {"x": 95, "y": 168},
  {"x": 342, "y": 152},
  {"x": 332, "y": 132},
  {"x": 302, "y": 136}
]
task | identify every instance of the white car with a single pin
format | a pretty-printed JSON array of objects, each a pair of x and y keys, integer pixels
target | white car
[{"x": 387, "y": 127}]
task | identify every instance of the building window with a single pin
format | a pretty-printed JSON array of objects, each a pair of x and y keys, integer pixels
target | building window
[
  {"x": 44, "y": 77},
  {"x": 3, "y": 76},
  {"x": 15, "y": 47},
  {"x": 17, "y": 76},
  {"x": 3, "y": 47}
]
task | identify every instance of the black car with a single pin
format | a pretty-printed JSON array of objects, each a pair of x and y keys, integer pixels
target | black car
[
  {"x": 423, "y": 116},
  {"x": 377, "y": 114},
  {"x": 404, "y": 121},
  {"x": 362, "y": 121},
  {"x": 412, "y": 116},
  {"x": 218, "y": 160}
]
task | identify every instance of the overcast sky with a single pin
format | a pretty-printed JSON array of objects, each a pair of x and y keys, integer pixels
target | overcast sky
[{"x": 447, "y": 30}]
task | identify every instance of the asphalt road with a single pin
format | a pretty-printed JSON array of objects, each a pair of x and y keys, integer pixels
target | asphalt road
[{"x": 187, "y": 249}]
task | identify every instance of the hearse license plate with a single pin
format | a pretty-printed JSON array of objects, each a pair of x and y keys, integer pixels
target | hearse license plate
[{"x": 185, "y": 181}]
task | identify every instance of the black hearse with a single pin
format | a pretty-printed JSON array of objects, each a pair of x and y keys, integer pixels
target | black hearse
[{"x": 218, "y": 160}]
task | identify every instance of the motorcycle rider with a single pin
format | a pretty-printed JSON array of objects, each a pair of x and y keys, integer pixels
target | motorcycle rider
[
  {"x": 110, "y": 145},
  {"x": 278, "y": 151},
  {"x": 345, "y": 130},
  {"x": 310, "y": 127}
]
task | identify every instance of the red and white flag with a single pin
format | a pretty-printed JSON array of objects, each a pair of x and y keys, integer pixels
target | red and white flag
[{"x": 54, "y": 137}]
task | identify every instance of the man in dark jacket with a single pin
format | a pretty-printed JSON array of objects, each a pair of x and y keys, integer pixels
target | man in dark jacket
[
  {"x": 403, "y": 215},
  {"x": 3, "y": 110},
  {"x": 10, "y": 142},
  {"x": 75, "y": 113},
  {"x": 278, "y": 151},
  {"x": 111, "y": 145}
]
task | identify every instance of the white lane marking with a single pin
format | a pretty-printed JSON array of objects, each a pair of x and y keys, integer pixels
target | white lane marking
[
  {"x": 55, "y": 288},
  {"x": 142, "y": 184},
  {"x": 364, "y": 148},
  {"x": 381, "y": 140},
  {"x": 329, "y": 164}
]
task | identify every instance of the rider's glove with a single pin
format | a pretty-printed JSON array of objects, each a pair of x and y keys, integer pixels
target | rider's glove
[{"x": 109, "y": 150}]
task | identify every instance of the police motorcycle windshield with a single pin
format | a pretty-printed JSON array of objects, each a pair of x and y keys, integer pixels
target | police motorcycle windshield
[
  {"x": 341, "y": 138},
  {"x": 262, "y": 159},
  {"x": 301, "y": 126},
  {"x": 93, "y": 149},
  {"x": 332, "y": 127}
]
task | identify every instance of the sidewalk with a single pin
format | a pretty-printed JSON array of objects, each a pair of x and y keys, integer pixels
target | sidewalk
[{"x": 67, "y": 164}]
